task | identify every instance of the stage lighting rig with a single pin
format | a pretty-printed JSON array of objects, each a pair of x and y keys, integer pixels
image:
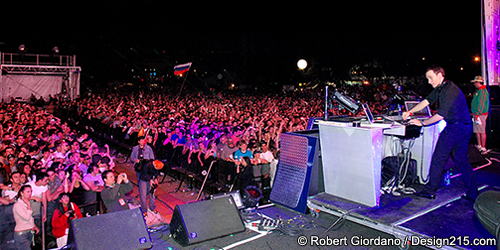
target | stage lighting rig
[{"x": 346, "y": 102}]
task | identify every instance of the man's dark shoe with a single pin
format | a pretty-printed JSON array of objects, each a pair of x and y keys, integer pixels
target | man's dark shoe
[
  {"x": 471, "y": 194},
  {"x": 470, "y": 197},
  {"x": 426, "y": 194}
]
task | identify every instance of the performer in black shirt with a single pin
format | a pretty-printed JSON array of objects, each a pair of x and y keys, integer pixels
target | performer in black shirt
[{"x": 454, "y": 139}]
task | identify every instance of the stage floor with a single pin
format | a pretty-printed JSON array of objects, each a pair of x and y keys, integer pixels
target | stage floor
[
  {"x": 454, "y": 219},
  {"x": 314, "y": 226},
  {"x": 447, "y": 216},
  {"x": 392, "y": 209}
]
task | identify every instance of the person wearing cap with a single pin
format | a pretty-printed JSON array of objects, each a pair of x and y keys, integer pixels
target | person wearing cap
[
  {"x": 142, "y": 155},
  {"x": 479, "y": 109}
]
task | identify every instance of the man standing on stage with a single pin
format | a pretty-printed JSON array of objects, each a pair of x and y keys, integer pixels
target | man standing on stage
[
  {"x": 454, "y": 139},
  {"x": 142, "y": 156},
  {"x": 479, "y": 108}
]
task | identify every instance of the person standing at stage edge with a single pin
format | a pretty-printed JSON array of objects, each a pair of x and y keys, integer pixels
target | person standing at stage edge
[
  {"x": 142, "y": 156},
  {"x": 479, "y": 108},
  {"x": 454, "y": 139}
]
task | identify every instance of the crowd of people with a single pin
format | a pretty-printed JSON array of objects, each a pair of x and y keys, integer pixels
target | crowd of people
[
  {"x": 49, "y": 174},
  {"x": 191, "y": 130}
]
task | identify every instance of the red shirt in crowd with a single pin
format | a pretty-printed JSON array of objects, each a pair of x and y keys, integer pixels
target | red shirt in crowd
[{"x": 60, "y": 222}]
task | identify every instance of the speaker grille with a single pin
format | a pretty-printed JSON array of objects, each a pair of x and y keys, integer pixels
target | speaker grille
[
  {"x": 205, "y": 220},
  {"x": 118, "y": 230},
  {"x": 291, "y": 173}
]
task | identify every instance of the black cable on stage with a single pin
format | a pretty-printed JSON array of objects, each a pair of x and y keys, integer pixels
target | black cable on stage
[
  {"x": 340, "y": 221},
  {"x": 249, "y": 215},
  {"x": 294, "y": 226}
]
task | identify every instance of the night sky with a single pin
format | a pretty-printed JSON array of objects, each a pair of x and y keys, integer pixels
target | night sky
[{"x": 109, "y": 39}]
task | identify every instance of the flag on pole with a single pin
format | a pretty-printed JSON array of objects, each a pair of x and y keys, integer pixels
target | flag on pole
[{"x": 182, "y": 68}]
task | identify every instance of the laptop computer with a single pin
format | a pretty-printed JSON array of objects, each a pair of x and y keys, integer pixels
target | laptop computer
[
  {"x": 424, "y": 113},
  {"x": 368, "y": 113}
]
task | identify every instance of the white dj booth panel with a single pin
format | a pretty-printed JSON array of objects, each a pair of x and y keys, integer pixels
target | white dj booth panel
[
  {"x": 352, "y": 162},
  {"x": 352, "y": 157}
]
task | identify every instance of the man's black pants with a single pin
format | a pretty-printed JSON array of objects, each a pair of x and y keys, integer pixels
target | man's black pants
[{"x": 453, "y": 142}]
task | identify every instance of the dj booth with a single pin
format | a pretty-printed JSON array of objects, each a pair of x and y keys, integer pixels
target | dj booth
[
  {"x": 345, "y": 160},
  {"x": 344, "y": 155},
  {"x": 337, "y": 169},
  {"x": 352, "y": 157}
]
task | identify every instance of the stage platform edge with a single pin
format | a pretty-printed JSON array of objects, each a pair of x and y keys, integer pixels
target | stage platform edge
[{"x": 370, "y": 217}]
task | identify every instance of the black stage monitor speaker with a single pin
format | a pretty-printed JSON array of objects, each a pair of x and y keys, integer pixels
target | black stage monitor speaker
[
  {"x": 488, "y": 212},
  {"x": 200, "y": 221},
  {"x": 118, "y": 230}
]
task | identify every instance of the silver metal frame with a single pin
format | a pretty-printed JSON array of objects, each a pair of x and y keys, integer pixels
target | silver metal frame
[
  {"x": 394, "y": 229},
  {"x": 38, "y": 64},
  {"x": 37, "y": 59}
]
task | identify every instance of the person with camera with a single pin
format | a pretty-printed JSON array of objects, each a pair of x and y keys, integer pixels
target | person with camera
[
  {"x": 142, "y": 151},
  {"x": 114, "y": 192},
  {"x": 245, "y": 173},
  {"x": 142, "y": 156},
  {"x": 63, "y": 214}
]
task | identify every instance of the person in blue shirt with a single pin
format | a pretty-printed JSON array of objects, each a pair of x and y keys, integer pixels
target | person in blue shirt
[
  {"x": 243, "y": 170},
  {"x": 242, "y": 151}
]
